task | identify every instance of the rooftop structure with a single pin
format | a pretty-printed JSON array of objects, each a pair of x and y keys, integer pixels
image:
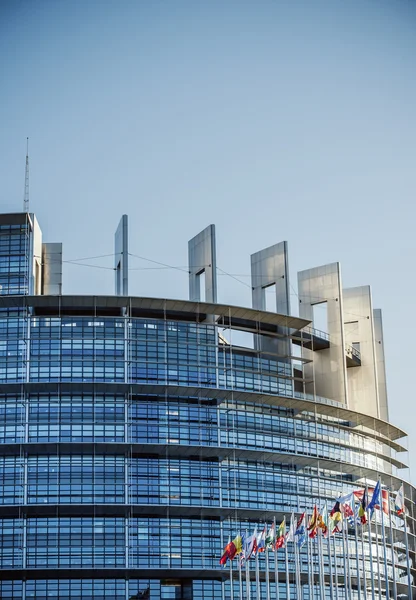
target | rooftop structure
[{"x": 139, "y": 435}]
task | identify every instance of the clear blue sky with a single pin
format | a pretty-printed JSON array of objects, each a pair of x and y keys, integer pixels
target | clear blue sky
[{"x": 272, "y": 119}]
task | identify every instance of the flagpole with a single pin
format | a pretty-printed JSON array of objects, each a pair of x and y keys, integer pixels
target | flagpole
[
  {"x": 335, "y": 567},
  {"x": 312, "y": 578},
  {"x": 331, "y": 581},
  {"x": 276, "y": 564},
  {"x": 393, "y": 559},
  {"x": 258, "y": 595},
  {"x": 266, "y": 555},
  {"x": 406, "y": 539},
  {"x": 321, "y": 565},
  {"x": 246, "y": 550},
  {"x": 356, "y": 557},
  {"x": 347, "y": 590},
  {"x": 231, "y": 581},
  {"x": 248, "y": 590},
  {"x": 240, "y": 578},
  {"x": 297, "y": 570},
  {"x": 347, "y": 543},
  {"x": 364, "y": 563},
  {"x": 287, "y": 573},
  {"x": 378, "y": 557},
  {"x": 370, "y": 541},
  {"x": 383, "y": 533}
]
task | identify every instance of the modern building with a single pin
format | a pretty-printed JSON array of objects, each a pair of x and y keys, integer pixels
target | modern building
[{"x": 139, "y": 434}]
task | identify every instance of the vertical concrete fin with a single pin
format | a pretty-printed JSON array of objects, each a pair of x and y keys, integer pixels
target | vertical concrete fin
[
  {"x": 270, "y": 275},
  {"x": 327, "y": 372},
  {"x": 35, "y": 281},
  {"x": 202, "y": 261},
  {"x": 52, "y": 269},
  {"x": 270, "y": 267},
  {"x": 381, "y": 365},
  {"x": 359, "y": 333},
  {"x": 121, "y": 257}
]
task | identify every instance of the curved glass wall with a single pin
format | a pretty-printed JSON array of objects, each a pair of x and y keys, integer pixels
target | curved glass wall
[{"x": 143, "y": 490}]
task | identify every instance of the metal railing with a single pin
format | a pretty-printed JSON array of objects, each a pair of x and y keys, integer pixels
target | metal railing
[
  {"x": 353, "y": 352},
  {"x": 315, "y": 332}
]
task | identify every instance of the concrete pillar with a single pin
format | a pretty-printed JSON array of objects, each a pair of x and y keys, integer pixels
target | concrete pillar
[
  {"x": 328, "y": 371},
  {"x": 52, "y": 269},
  {"x": 381, "y": 365},
  {"x": 270, "y": 273},
  {"x": 359, "y": 333},
  {"x": 202, "y": 262},
  {"x": 121, "y": 257},
  {"x": 271, "y": 267}
]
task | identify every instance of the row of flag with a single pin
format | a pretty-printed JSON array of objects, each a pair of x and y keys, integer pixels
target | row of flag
[{"x": 327, "y": 523}]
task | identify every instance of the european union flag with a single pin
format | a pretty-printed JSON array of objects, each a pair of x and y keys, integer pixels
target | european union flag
[{"x": 375, "y": 500}]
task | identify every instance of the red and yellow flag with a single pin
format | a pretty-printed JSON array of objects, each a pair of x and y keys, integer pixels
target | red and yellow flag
[
  {"x": 313, "y": 523},
  {"x": 232, "y": 549}
]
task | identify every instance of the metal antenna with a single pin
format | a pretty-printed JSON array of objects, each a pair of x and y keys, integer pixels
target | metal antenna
[{"x": 26, "y": 196}]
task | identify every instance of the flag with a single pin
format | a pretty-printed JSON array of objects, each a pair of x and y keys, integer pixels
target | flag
[
  {"x": 290, "y": 536},
  {"x": 261, "y": 540},
  {"x": 347, "y": 512},
  {"x": 238, "y": 543},
  {"x": 300, "y": 533},
  {"x": 384, "y": 495},
  {"x": 375, "y": 499},
  {"x": 362, "y": 511},
  {"x": 399, "y": 501},
  {"x": 250, "y": 545},
  {"x": 335, "y": 526},
  {"x": 335, "y": 517},
  {"x": 243, "y": 545},
  {"x": 347, "y": 498},
  {"x": 313, "y": 523},
  {"x": 335, "y": 513},
  {"x": 232, "y": 549},
  {"x": 322, "y": 522},
  {"x": 271, "y": 536},
  {"x": 281, "y": 534},
  {"x": 229, "y": 548},
  {"x": 385, "y": 501}
]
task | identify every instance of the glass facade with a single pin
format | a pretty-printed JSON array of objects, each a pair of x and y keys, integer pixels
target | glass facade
[
  {"x": 135, "y": 446},
  {"x": 15, "y": 251}
]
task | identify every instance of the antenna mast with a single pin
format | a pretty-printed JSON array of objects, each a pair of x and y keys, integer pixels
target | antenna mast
[{"x": 26, "y": 196}]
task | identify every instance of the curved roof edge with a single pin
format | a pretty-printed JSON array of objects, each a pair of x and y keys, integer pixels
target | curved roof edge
[{"x": 223, "y": 312}]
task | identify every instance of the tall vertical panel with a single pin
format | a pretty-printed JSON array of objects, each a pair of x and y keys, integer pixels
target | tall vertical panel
[
  {"x": 36, "y": 248},
  {"x": 327, "y": 372},
  {"x": 270, "y": 271},
  {"x": 381, "y": 364},
  {"x": 52, "y": 269},
  {"x": 271, "y": 267},
  {"x": 121, "y": 257},
  {"x": 202, "y": 262},
  {"x": 359, "y": 333}
]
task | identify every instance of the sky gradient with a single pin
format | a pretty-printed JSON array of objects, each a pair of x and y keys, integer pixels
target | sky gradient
[{"x": 275, "y": 120}]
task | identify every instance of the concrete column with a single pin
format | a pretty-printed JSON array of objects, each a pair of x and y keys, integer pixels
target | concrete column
[
  {"x": 359, "y": 333},
  {"x": 381, "y": 365},
  {"x": 121, "y": 257},
  {"x": 270, "y": 267},
  {"x": 52, "y": 269},
  {"x": 202, "y": 261},
  {"x": 328, "y": 370},
  {"x": 35, "y": 280}
]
